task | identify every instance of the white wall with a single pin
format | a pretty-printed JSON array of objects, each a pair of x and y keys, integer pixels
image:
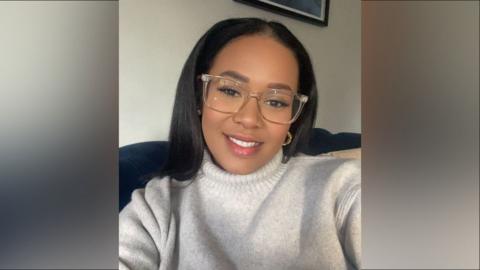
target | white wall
[{"x": 156, "y": 37}]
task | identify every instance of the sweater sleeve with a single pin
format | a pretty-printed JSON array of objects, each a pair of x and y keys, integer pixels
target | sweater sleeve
[
  {"x": 137, "y": 229},
  {"x": 350, "y": 229}
]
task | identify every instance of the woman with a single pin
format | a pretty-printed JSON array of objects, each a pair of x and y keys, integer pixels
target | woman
[{"x": 234, "y": 194}]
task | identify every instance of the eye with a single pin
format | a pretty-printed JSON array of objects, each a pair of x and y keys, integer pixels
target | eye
[
  {"x": 229, "y": 92},
  {"x": 276, "y": 103}
]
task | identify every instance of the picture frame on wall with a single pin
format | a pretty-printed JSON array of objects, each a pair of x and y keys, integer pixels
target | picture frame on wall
[{"x": 311, "y": 11}]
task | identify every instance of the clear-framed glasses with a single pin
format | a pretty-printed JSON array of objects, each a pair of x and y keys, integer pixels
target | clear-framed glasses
[{"x": 281, "y": 106}]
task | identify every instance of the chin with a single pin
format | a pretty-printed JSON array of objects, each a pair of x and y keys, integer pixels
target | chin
[
  {"x": 236, "y": 167},
  {"x": 238, "y": 158}
]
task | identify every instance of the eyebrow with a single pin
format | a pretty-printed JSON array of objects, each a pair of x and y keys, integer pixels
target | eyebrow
[
  {"x": 235, "y": 75},
  {"x": 279, "y": 86},
  {"x": 245, "y": 79}
]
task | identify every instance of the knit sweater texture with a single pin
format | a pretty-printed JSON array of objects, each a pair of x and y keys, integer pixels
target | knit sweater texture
[{"x": 303, "y": 214}]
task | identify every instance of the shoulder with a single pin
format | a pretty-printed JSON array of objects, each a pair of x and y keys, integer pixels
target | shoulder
[
  {"x": 325, "y": 164},
  {"x": 156, "y": 197},
  {"x": 337, "y": 175}
]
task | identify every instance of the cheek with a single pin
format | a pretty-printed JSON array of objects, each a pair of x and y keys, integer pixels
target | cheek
[
  {"x": 278, "y": 134},
  {"x": 207, "y": 124},
  {"x": 211, "y": 123}
]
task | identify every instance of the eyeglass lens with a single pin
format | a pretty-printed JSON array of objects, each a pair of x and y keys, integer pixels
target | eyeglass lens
[{"x": 228, "y": 96}]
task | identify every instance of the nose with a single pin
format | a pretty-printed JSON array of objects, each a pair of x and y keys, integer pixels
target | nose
[{"x": 248, "y": 115}]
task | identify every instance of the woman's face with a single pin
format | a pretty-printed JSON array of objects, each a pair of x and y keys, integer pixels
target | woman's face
[{"x": 263, "y": 62}]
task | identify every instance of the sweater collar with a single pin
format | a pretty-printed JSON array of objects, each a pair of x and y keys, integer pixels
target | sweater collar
[{"x": 269, "y": 173}]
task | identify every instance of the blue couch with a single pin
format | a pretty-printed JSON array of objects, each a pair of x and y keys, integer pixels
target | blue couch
[{"x": 138, "y": 161}]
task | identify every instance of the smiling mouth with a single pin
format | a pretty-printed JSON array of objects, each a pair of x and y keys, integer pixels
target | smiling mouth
[
  {"x": 241, "y": 146},
  {"x": 245, "y": 144}
]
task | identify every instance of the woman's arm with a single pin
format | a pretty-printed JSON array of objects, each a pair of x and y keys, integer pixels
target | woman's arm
[
  {"x": 350, "y": 225},
  {"x": 138, "y": 229}
]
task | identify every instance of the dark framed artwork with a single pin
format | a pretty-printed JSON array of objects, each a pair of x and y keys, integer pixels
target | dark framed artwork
[{"x": 311, "y": 11}]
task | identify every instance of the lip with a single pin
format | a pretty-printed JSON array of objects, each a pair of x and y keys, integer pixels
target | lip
[
  {"x": 240, "y": 151},
  {"x": 244, "y": 138}
]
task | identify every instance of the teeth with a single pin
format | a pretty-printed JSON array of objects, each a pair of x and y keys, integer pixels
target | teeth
[{"x": 243, "y": 143}]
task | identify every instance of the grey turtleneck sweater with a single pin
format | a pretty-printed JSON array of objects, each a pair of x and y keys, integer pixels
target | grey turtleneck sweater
[{"x": 304, "y": 214}]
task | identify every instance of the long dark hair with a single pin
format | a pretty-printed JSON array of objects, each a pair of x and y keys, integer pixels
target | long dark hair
[{"x": 186, "y": 144}]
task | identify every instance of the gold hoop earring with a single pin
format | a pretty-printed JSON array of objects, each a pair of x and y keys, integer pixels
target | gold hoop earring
[{"x": 289, "y": 139}]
